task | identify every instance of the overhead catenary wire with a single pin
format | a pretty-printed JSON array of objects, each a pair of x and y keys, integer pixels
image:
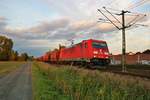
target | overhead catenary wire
[
  {"x": 111, "y": 12},
  {"x": 137, "y": 4},
  {"x": 115, "y": 11},
  {"x": 112, "y": 15},
  {"x": 108, "y": 19},
  {"x": 131, "y": 23},
  {"x": 105, "y": 20},
  {"x": 142, "y": 25},
  {"x": 129, "y": 14},
  {"x": 133, "y": 20}
]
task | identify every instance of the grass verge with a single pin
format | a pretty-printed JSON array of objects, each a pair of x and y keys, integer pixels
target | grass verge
[
  {"x": 9, "y": 66},
  {"x": 67, "y": 83}
]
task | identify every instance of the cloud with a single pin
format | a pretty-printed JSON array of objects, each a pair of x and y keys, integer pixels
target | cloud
[
  {"x": 48, "y": 35},
  {"x": 38, "y": 46},
  {"x": 62, "y": 28},
  {"x": 3, "y": 23},
  {"x": 82, "y": 24},
  {"x": 49, "y": 26},
  {"x": 78, "y": 21}
]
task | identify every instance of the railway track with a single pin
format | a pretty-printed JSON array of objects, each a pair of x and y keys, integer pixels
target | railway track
[
  {"x": 135, "y": 72},
  {"x": 137, "y": 75},
  {"x": 128, "y": 74},
  {"x": 131, "y": 71}
]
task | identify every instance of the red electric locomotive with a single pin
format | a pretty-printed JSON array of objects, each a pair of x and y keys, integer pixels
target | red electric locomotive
[
  {"x": 54, "y": 58},
  {"x": 46, "y": 57},
  {"x": 87, "y": 52},
  {"x": 93, "y": 52}
]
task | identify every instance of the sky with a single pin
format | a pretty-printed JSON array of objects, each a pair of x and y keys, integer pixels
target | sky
[{"x": 37, "y": 26}]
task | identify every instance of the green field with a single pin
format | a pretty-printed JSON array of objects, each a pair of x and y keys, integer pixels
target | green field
[
  {"x": 69, "y": 83},
  {"x": 7, "y": 67}
]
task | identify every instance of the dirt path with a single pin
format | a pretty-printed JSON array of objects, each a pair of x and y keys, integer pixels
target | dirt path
[{"x": 17, "y": 85}]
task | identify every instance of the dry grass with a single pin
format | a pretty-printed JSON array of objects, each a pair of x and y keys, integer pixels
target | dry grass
[{"x": 9, "y": 66}]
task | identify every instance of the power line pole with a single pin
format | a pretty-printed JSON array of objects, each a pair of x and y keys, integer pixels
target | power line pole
[
  {"x": 123, "y": 42},
  {"x": 123, "y": 27}
]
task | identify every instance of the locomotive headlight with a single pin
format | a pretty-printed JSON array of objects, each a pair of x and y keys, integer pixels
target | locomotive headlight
[
  {"x": 106, "y": 57},
  {"x": 106, "y": 53},
  {"x": 95, "y": 52}
]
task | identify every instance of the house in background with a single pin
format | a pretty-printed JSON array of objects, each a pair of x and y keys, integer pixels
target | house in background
[{"x": 133, "y": 58}]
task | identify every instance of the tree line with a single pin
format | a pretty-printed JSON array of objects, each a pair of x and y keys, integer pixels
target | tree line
[{"x": 8, "y": 54}]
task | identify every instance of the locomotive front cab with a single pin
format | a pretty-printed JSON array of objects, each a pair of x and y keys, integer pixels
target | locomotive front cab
[{"x": 100, "y": 53}]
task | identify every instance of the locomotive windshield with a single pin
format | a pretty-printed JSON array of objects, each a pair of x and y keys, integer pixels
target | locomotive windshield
[{"x": 99, "y": 45}]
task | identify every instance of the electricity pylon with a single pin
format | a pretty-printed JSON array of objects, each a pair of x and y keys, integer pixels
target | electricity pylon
[{"x": 123, "y": 27}]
